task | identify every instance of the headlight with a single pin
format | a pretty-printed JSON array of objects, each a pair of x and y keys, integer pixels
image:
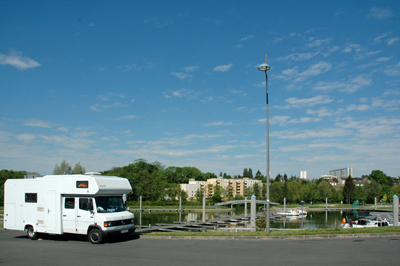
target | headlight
[{"x": 107, "y": 224}]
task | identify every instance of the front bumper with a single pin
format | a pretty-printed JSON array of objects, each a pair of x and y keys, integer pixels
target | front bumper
[{"x": 118, "y": 231}]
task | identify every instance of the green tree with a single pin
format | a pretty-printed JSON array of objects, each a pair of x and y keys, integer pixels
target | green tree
[
  {"x": 218, "y": 194},
  {"x": 257, "y": 190},
  {"x": 348, "y": 190},
  {"x": 78, "y": 169},
  {"x": 63, "y": 169},
  {"x": 372, "y": 190},
  {"x": 275, "y": 192},
  {"x": 360, "y": 195},
  {"x": 259, "y": 176},
  {"x": 385, "y": 181},
  {"x": 325, "y": 190},
  {"x": 200, "y": 195},
  {"x": 245, "y": 172},
  {"x": 250, "y": 173}
]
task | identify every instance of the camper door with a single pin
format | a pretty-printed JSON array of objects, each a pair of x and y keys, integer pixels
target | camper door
[{"x": 77, "y": 214}]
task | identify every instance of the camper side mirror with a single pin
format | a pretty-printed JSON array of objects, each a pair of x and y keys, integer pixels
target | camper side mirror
[{"x": 90, "y": 205}]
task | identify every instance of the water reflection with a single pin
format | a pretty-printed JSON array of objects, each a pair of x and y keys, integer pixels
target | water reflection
[{"x": 313, "y": 220}]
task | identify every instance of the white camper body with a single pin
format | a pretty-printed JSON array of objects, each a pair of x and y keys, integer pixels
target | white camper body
[{"x": 78, "y": 204}]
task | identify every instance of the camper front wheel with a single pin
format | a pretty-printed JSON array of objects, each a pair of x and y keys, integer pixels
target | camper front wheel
[
  {"x": 31, "y": 232},
  {"x": 95, "y": 236}
]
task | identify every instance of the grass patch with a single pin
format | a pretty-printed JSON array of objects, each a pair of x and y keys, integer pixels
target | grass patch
[{"x": 286, "y": 232}]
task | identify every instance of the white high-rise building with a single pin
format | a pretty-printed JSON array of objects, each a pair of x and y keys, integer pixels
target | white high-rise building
[{"x": 303, "y": 174}]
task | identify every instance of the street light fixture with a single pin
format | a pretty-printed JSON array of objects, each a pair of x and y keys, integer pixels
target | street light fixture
[{"x": 265, "y": 67}]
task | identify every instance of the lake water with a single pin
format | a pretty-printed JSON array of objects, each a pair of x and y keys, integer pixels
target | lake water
[{"x": 314, "y": 219}]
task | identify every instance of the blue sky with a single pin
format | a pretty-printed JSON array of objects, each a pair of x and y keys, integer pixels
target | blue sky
[{"x": 105, "y": 83}]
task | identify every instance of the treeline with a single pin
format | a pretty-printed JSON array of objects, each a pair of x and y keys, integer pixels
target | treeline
[
  {"x": 377, "y": 184},
  {"x": 155, "y": 183}
]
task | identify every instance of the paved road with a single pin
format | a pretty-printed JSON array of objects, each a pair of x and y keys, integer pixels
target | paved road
[{"x": 16, "y": 249}]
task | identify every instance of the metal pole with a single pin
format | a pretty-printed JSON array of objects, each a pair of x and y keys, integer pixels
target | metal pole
[
  {"x": 268, "y": 170},
  {"x": 245, "y": 206},
  {"x": 284, "y": 204},
  {"x": 141, "y": 210},
  {"x": 395, "y": 210},
  {"x": 253, "y": 213},
  {"x": 204, "y": 209}
]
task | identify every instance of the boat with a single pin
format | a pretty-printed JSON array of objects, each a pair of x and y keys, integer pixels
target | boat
[
  {"x": 365, "y": 223},
  {"x": 292, "y": 212}
]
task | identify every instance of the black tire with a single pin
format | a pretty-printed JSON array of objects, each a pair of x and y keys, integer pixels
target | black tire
[
  {"x": 31, "y": 233},
  {"x": 95, "y": 236}
]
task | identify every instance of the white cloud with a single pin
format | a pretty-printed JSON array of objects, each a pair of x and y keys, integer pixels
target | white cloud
[
  {"x": 36, "y": 123},
  {"x": 247, "y": 38},
  {"x": 352, "y": 47},
  {"x": 380, "y": 13},
  {"x": 219, "y": 123},
  {"x": 362, "y": 107},
  {"x": 126, "y": 117},
  {"x": 299, "y": 56},
  {"x": 191, "y": 68},
  {"x": 223, "y": 68},
  {"x": 28, "y": 138},
  {"x": 392, "y": 41},
  {"x": 316, "y": 43},
  {"x": 351, "y": 85},
  {"x": 295, "y": 102},
  {"x": 287, "y": 120},
  {"x": 311, "y": 134},
  {"x": 313, "y": 70},
  {"x": 182, "y": 75},
  {"x": 18, "y": 61}
]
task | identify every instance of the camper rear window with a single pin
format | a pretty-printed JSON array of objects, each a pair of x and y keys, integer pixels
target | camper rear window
[
  {"x": 82, "y": 184},
  {"x": 31, "y": 197}
]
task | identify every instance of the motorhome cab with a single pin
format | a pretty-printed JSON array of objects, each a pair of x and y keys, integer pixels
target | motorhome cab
[{"x": 88, "y": 204}]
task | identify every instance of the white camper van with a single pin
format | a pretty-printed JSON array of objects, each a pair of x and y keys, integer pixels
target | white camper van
[{"x": 88, "y": 204}]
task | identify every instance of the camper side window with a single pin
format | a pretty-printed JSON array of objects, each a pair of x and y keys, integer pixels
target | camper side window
[
  {"x": 69, "y": 203},
  {"x": 31, "y": 197},
  {"x": 85, "y": 204}
]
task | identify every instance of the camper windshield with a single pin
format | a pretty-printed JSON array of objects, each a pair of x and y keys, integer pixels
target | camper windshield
[{"x": 109, "y": 204}]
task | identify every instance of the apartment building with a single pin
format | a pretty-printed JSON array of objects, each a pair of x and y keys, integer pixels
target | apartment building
[{"x": 233, "y": 187}]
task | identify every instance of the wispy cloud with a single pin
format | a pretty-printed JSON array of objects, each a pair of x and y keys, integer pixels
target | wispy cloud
[
  {"x": 380, "y": 13},
  {"x": 314, "y": 70},
  {"x": 287, "y": 120},
  {"x": 223, "y": 68},
  {"x": 36, "y": 123},
  {"x": 182, "y": 75},
  {"x": 247, "y": 38},
  {"x": 351, "y": 85},
  {"x": 18, "y": 61},
  {"x": 185, "y": 75},
  {"x": 218, "y": 123},
  {"x": 295, "y": 102},
  {"x": 392, "y": 41}
]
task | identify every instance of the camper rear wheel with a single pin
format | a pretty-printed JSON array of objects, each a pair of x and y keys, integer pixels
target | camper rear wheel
[
  {"x": 95, "y": 236},
  {"x": 31, "y": 232}
]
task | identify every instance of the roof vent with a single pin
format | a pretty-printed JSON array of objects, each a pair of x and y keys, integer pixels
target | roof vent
[{"x": 92, "y": 173}]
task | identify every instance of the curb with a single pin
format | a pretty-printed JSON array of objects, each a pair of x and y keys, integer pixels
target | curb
[{"x": 295, "y": 237}]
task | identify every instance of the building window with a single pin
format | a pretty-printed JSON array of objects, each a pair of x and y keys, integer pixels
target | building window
[{"x": 31, "y": 197}]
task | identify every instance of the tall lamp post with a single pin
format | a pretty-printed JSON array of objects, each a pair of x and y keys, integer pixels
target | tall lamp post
[{"x": 265, "y": 67}]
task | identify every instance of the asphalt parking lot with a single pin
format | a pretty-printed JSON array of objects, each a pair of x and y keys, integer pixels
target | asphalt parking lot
[{"x": 17, "y": 249}]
